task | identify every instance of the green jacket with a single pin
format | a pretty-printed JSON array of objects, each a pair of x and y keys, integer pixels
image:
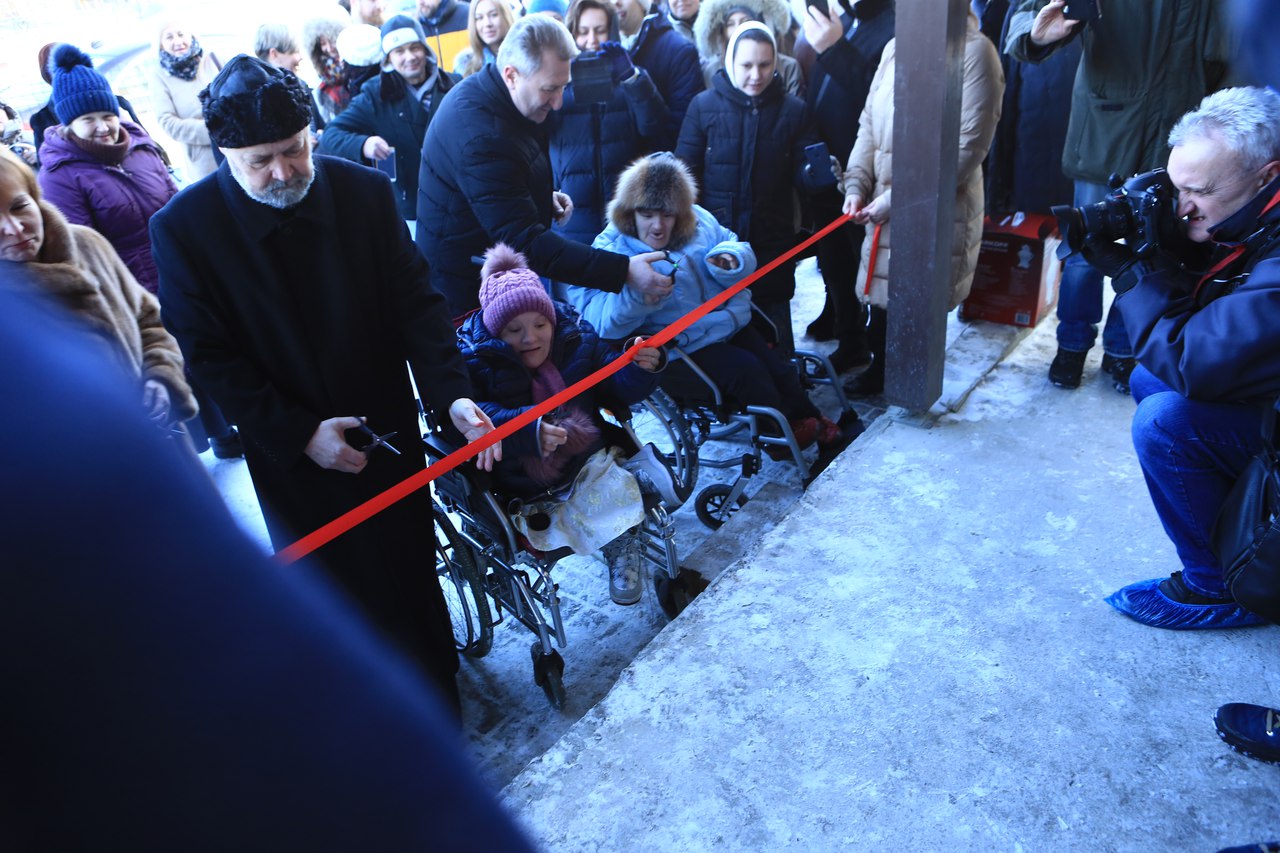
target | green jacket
[{"x": 1145, "y": 64}]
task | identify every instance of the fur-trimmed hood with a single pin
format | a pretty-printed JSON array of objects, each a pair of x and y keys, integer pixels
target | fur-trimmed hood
[
  {"x": 708, "y": 28},
  {"x": 659, "y": 181},
  {"x": 328, "y": 26}
]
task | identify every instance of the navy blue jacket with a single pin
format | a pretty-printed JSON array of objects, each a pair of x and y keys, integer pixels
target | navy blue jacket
[
  {"x": 1024, "y": 169},
  {"x": 1213, "y": 337},
  {"x": 672, "y": 62},
  {"x": 592, "y": 143},
  {"x": 386, "y": 107},
  {"x": 504, "y": 386},
  {"x": 486, "y": 178},
  {"x": 841, "y": 77},
  {"x": 748, "y": 156}
]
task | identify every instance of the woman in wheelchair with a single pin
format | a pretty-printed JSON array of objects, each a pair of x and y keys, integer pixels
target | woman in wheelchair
[
  {"x": 653, "y": 209},
  {"x": 568, "y": 486}
]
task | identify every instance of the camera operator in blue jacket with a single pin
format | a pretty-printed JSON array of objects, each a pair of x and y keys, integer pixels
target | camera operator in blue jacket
[{"x": 1205, "y": 336}]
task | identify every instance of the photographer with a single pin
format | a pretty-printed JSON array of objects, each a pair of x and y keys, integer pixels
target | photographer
[
  {"x": 1144, "y": 64},
  {"x": 1205, "y": 338}
]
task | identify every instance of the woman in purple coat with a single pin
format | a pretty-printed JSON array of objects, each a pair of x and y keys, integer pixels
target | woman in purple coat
[{"x": 98, "y": 170}]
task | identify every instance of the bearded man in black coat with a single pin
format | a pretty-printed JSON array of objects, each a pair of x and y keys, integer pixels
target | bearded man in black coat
[{"x": 297, "y": 297}]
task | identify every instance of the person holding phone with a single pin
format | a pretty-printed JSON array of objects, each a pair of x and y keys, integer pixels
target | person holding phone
[
  {"x": 1144, "y": 65},
  {"x": 386, "y": 123},
  {"x": 745, "y": 139},
  {"x": 592, "y": 138}
]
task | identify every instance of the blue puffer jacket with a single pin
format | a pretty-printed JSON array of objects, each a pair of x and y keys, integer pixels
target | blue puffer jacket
[
  {"x": 747, "y": 154},
  {"x": 672, "y": 62},
  {"x": 386, "y": 107},
  {"x": 116, "y": 201},
  {"x": 504, "y": 390},
  {"x": 619, "y": 315},
  {"x": 1214, "y": 338},
  {"x": 592, "y": 143}
]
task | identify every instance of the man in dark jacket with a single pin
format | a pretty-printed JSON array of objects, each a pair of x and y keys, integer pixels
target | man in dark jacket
[
  {"x": 1144, "y": 65},
  {"x": 1206, "y": 342},
  {"x": 486, "y": 176},
  {"x": 389, "y": 117},
  {"x": 297, "y": 297},
  {"x": 848, "y": 52},
  {"x": 670, "y": 59},
  {"x": 445, "y": 23}
]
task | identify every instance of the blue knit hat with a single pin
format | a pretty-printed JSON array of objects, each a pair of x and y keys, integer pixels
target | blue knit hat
[{"x": 77, "y": 88}]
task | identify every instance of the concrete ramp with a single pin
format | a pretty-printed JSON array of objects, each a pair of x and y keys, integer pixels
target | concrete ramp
[{"x": 919, "y": 657}]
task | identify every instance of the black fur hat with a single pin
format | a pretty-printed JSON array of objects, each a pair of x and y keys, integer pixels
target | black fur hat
[{"x": 251, "y": 103}]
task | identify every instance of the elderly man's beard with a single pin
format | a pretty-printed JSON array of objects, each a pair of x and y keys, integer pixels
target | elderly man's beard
[{"x": 278, "y": 194}]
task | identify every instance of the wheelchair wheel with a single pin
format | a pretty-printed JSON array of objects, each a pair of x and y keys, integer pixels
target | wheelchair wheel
[
  {"x": 463, "y": 588},
  {"x": 659, "y": 420},
  {"x": 548, "y": 673},
  {"x": 713, "y": 505},
  {"x": 674, "y": 594}
]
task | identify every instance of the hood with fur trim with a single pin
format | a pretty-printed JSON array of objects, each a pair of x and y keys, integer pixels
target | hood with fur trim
[
  {"x": 708, "y": 28},
  {"x": 659, "y": 181}
]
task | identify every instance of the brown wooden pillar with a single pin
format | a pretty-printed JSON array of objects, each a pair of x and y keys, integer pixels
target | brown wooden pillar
[{"x": 926, "y": 131}]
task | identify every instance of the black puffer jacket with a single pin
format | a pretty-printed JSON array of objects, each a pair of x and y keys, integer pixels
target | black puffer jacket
[
  {"x": 592, "y": 143},
  {"x": 747, "y": 154},
  {"x": 841, "y": 77},
  {"x": 672, "y": 62},
  {"x": 386, "y": 107},
  {"x": 486, "y": 178},
  {"x": 504, "y": 388}
]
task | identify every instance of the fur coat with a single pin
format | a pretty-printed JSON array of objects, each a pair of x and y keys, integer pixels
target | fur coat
[
  {"x": 870, "y": 169},
  {"x": 79, "y": 269}
]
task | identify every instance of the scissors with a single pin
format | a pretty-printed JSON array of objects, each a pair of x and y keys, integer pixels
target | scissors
[{"x": 376, "y": 440}]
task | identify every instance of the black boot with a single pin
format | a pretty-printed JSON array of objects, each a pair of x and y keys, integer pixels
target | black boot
[
  {"x": 853, "y": 352},
  {"x": 823, "y": 328},
  {"x": 871, "y": 381}
]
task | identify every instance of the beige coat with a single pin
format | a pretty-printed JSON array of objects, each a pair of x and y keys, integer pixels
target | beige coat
[
  {"x": 177, "y": 107},
  {"x": 870, "y": 169},
  {"x": 79, "y": 269}
]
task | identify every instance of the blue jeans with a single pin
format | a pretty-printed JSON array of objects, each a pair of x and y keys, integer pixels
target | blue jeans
[
  {"x": 1080, "y": 297},
  {"x": 1191, "y": 453}
]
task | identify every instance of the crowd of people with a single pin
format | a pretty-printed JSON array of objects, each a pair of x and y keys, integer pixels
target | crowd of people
[{"x": 551, "y": 179}]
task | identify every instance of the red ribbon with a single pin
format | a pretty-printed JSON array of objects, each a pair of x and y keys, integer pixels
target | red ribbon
[{"x": 404, "y": 488}]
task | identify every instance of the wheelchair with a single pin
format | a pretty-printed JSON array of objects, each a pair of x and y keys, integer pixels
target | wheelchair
[
  {"x": 488, "y": 570},
  {"x": 681, "y": 427}
]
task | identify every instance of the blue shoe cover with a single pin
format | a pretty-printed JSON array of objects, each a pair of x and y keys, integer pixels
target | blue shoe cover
[{"x": 1144, "y": 602}]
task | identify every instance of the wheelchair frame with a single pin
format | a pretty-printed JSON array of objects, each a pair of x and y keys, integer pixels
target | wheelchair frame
[{"x": 486, "y": 571}]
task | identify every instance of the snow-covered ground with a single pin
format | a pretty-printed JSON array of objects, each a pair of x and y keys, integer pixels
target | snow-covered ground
[{"x": 508, "y": 719}]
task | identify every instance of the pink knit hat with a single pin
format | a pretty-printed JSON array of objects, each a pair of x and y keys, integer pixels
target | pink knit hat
[{"x": 509, "y": 288}]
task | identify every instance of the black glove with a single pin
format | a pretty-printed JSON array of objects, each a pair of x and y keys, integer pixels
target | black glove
[
  {"x": 1110, "y": 259},
  {"x": 620, "y": 65}
]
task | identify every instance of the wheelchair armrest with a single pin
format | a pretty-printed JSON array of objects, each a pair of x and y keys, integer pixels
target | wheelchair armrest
[{"x": 438, "y": 447}]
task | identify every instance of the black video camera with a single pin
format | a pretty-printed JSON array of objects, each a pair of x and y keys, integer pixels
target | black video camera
[{"x": 1143, "y": 211}]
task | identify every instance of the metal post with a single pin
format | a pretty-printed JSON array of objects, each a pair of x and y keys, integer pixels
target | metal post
[{"x": 926, "y": 138}]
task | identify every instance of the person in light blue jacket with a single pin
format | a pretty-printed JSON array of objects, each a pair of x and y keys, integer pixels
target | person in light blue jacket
[{"x": 653, "y": 210}]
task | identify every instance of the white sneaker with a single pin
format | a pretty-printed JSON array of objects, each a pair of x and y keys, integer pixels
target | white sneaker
[{"x": 659, "y": 474}]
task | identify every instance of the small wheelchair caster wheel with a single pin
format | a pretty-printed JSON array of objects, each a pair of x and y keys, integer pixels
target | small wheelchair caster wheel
[
  {"x": 548, "y": 673},
  {"x": 713, "y": 505},
  {"x": 674, "y": 594}
]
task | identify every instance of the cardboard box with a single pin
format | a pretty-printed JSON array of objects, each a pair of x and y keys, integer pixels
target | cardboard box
[{"x": 1016, "y": 282}]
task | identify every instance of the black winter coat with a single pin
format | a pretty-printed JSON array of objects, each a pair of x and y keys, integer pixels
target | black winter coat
[
  {"x": 288, "y": 318},
  {"x": 748, "y": 156},
  {"x": 504, "y": 386},
  {"x": 1024, "y": 169},
  {"x": 386, "y": 107},
  {"x": 486, "y": 179},
  {"x": 592, "y": 143},
  {"x": 841, "y": 77},
  {"x": 672, "y": 62}
]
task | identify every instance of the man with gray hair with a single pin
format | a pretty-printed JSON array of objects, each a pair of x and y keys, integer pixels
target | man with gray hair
[
  {"x": 486, "y": 176},
  {"x": 1203, "y": 318}
]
